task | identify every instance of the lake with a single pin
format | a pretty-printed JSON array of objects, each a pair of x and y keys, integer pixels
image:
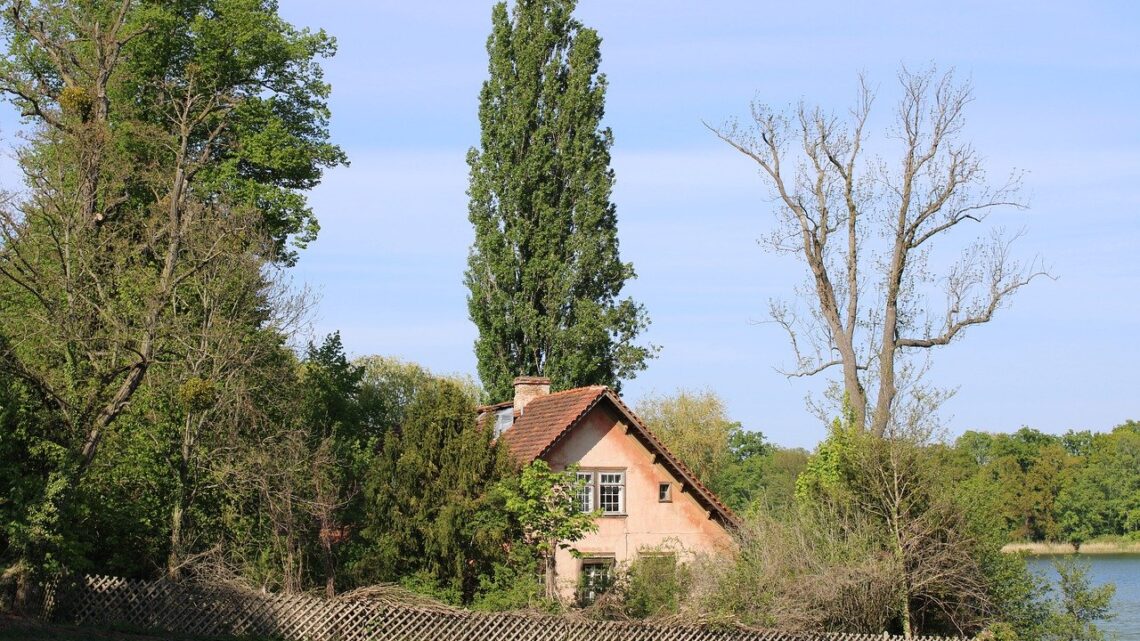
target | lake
[{"x": 1121, "y": 569}]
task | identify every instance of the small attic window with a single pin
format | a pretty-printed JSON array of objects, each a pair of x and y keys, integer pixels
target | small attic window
[
  {"x": 664, "y": 492},
  {"x": 504, "y": 418}
]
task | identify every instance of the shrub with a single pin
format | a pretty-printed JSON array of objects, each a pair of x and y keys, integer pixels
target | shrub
[{"x": 655, "y": 584}]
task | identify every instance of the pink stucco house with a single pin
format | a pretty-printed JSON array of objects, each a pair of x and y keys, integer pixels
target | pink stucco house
[{"x": 649, "y": 500}]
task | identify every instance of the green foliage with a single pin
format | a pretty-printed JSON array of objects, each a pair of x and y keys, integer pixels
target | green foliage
[
  {"x": 545, "y": 504},
  {"x": 166, "y": 164},
  {"x": 826, "y": 471},
  {"x": 389, "y": 385},
  {"x": 654, "y": 584},
  {"x": 512, "y": 582},
  {"x": 277, "y": 122},
  {"x": 29, "y": 460},
  {"x": 694, "y": 425},
  {"x": 1102, "y": 495},
  {"x": 940, "y": 537},
  {"x": 735, "y": 463},
  {"x": 1027, "y": 467},
  {"x": 1019, "y": 600},
  {"x": 387, "y": 389},
  {"x": 341, "y": 451},
  {"x": 1077, "y": 443},
  {"x": 1079, "y": 605},
  {"x": 330, "y": 386},
  {"x": 1076, "y": 487},
  {"x": 544, "y": 272},
  {"x": 424, "y": 495},
  {"x": 758, "y": 474},
  {"x": 124, "y": 507}
]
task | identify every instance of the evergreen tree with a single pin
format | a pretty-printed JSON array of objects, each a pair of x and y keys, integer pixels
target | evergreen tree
[
  {"x": 330, "y": 411},
  {"x": 544, "y": 272},
  {"x": 423, "y": 494}
]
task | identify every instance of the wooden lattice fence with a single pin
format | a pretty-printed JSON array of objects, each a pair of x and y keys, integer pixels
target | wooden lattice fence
[{"x": 224, "y": 611}]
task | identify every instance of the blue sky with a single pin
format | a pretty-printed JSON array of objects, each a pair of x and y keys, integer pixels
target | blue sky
[{"x": 1057, "y": 88}]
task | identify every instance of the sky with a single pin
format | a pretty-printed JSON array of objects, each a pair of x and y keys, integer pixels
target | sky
[{"x": 1057, "y": 94}]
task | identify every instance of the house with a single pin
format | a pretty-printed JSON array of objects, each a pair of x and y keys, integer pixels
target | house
[{"x": 649, "y": 501}]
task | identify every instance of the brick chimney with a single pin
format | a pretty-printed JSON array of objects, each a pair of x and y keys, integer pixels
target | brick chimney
[{"x": 528, "y": 388}]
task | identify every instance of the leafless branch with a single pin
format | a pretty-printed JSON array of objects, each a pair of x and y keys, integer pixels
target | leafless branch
[{"x": 862, "y": 228}]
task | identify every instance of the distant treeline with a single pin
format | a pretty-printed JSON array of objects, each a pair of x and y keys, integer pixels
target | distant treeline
[{"x": 1075, "y": 487}]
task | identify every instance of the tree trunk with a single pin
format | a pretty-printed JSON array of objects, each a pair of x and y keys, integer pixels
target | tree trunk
[
  {"x": 551, "y": 577},
  {"x": 888, "y": 348},
  {"x": 905, "y": 609},
  {"x": 181, "y": 503},
  {"x": 900, "y": 555},
  {"x": 174, "y": 559},
  {"x": 327, "y": 559}
]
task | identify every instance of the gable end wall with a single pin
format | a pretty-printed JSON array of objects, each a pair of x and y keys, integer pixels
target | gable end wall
[{"x": 601, "y": 441}]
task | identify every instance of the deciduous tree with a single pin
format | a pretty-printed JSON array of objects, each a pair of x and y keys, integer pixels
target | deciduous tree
[
  {"x": 158, "y": 143},
  {"x": 544, "y": 272},
  {"x": 695, "y": 426},
  {"x": 1079, "y": 604},
  {"x": 1101, "y": 497},
  {"x": 866, "y": 228},
  {"x": 545, "y": 504}
]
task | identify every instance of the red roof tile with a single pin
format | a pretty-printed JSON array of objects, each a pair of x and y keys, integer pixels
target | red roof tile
[{"x": 546, "y": 418}]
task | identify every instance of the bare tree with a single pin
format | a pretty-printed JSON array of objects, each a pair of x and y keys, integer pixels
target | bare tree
[
  {"x": 926, "y": 532},
  {"x": 865, "y": 228},
  {"x": 223, "y": 335}
]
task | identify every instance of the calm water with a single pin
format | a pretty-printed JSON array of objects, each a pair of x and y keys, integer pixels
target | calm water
[{"x": 1121, "y": 569}]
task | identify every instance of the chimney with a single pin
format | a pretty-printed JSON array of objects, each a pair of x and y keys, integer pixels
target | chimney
[{"x": 528, "y": 388}]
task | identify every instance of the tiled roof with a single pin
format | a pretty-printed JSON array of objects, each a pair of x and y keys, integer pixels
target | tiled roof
[{"x": 548, "y": 418}]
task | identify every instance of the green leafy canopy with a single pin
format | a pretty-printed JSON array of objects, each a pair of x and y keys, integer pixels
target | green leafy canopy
[{"x": 544, "y": 272}]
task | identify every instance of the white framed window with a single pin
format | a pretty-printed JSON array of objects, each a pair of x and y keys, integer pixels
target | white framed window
[
  {"x": 665, "y": 492},
  {"x": 602, "y": 490},
  {"x": 596, "y": 577},
  {"x": 586, "y": 493},
  {"x": 611, "y": 492}
]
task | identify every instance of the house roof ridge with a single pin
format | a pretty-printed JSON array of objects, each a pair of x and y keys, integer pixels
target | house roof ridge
[
  {"x": 493, "y": 406},
  {"x": 575, "y": 389}
]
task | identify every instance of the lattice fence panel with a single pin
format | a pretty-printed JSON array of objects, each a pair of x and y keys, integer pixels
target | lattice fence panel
[{"x": 220, "y": 611}]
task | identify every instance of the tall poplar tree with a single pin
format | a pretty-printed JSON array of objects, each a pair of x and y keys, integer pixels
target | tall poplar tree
[{"x": 544, "y": 272}]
